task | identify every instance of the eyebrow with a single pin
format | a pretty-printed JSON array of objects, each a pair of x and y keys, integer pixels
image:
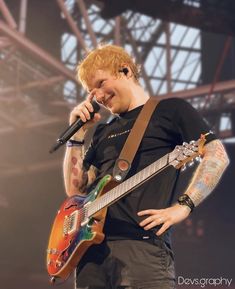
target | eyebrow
[{"x": 96, "y": 83}]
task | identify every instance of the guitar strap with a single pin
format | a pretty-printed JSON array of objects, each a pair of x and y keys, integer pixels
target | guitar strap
[{"x": 123, "y": 163}]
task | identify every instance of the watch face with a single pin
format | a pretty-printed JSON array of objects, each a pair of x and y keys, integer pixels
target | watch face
[
  {"x": 185, "y": 200},
  {"x": 182, "y": 198}
]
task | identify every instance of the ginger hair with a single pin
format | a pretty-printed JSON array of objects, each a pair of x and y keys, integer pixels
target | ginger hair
[{"x": 111, "y": 58}]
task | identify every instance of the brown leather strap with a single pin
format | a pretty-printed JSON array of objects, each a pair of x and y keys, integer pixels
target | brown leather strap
[{"x": 133, "y": 141}]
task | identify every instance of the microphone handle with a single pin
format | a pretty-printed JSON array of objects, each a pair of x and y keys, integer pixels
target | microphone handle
[{"x": 69, "y": 132}]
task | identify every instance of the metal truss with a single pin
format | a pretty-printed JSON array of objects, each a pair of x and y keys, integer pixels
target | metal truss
[
  {"x": 36, "y": 89},
  {"x": 169, "y": 54},
  {"x": 27, "y": 71}
]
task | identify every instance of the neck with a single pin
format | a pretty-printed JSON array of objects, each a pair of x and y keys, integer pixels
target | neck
[{"x": 139, "y": 97}]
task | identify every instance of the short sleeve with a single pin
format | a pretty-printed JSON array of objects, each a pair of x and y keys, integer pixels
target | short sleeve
[
  {"x": 89, "y": 156},
  {"x": 90, "y": 153},
  {"x": 190, "y": 123}
]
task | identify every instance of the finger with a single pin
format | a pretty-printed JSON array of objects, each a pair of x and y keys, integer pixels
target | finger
[
  {"x": 89, "y": 124},
  {"x": 151, "y": 225},
  {"x": 100, "y": 96},
  {"x": 148, "y": 220},
  {"x": 83, "y": 116},
  {"x": 148, "y": 212},
  {"x": 154, "y": 223},
  {"x": 89, "y": 106},
  {"x": 164, "y": 227},
  {"x": 84, "y": 112},
  {"x": 91, "y": 95}
]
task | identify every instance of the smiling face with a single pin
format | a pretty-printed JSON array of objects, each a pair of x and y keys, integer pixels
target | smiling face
[
  {"x": 115, "y": 93},
  {"x": 99, "y": 73}
]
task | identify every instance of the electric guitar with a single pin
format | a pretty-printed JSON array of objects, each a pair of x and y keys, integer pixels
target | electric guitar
[{"x": 80, "y": 220}]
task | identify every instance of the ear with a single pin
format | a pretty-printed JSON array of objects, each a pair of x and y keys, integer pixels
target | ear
[{"x": 125, "y": 69}]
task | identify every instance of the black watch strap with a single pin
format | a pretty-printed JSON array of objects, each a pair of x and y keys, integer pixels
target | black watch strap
[{"x": 186, "y": 201}]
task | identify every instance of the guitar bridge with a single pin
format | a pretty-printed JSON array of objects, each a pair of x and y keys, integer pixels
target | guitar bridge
[{"x": 71, "y": 223}]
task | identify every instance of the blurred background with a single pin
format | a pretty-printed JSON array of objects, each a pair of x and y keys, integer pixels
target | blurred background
[{"x": 186, "y": 49}]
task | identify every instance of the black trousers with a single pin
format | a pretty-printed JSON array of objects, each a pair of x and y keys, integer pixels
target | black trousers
[{"x": 129, "y": 264}]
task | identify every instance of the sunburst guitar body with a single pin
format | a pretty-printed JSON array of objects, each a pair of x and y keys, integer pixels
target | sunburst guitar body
[{"x": 80, "y": 220}]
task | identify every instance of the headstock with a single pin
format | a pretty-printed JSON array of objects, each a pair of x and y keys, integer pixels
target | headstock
[{"x": 187, "y": 153}]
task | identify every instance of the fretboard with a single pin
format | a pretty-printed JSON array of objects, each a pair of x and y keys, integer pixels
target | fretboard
[{"x": 127, "y": 186}]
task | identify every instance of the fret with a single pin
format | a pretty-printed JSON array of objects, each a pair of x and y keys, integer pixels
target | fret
[
  {"x": 90, "y": 209},
  {"x": 162, "y": 161},
  {"x": 109, "y": 198},
  {"x": 121, "y": 188},
  {"x": 116, "y": 192},
  {"x": 149, "y": 171},
  {"x": 138, "y": 177},
  {"x": 101, "y": 203},
  {"x": 144, "y": 174},
  {"x": 133, "y": 182}
]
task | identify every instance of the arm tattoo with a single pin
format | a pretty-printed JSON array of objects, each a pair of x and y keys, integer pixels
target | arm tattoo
[
  {"x": 208, "y": 173},
  {"x": 78, "y": 176},
  {"x": 75, "y": 176}
]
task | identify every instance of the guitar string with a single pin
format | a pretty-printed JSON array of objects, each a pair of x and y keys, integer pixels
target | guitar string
[
  {"x": 115, "y": 193},
  {"x": 137, "y": 179}
]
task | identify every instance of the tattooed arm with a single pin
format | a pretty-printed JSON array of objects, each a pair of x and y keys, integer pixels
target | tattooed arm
[
  {"x": 208, "y": 173},
  {"x": 205, "y": 179},
  {"x": 76, "y": 177}
]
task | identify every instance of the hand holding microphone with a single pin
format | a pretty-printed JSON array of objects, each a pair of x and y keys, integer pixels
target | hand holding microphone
[
  {"x": 84, "y": 115},
  {"x": 87, "y": 112}
]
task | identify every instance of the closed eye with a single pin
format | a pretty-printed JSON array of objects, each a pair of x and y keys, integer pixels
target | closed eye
[{"x": 101, "y": 83}]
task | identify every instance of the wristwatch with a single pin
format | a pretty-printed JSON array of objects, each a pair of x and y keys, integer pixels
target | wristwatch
[{"x": 186, "y": 201}]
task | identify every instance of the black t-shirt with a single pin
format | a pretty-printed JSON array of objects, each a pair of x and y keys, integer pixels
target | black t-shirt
[{"x": 173, "y": 122}]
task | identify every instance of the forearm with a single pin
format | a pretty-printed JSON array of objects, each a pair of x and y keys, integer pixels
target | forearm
[
  {"x": 75, "y": 176},
  {"x": 208, "y": 173}
]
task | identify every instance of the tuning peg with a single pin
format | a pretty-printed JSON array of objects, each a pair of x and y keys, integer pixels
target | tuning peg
[
  {"x": 190, "y": 164},
  {"x": 183, "y": 168},
  {"x": 177, "y": 148},
  {"x": 192, "y": 142},
  {"x": 198, "y": 159}
]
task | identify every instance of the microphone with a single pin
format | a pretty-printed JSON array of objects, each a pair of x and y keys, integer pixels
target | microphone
[{"x": 73, "y": 128}]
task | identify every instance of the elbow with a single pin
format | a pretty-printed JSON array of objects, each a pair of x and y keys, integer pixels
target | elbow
[
  {"x": 224, "y": 159},
  {"x": 224, "y": 156},
  {"x": 215, "y": 151}
]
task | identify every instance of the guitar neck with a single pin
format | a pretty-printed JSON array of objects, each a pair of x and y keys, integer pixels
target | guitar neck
[{"x": 127, "y": 186}]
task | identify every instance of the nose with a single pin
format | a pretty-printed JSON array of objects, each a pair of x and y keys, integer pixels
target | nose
[{"x": 99, "y": 96}]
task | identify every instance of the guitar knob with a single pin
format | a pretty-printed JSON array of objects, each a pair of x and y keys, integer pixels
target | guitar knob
[
  {"x": 58, "y": 264},
  {"x": 52, "y": 280},
  {"x": 198, "y": 159}
]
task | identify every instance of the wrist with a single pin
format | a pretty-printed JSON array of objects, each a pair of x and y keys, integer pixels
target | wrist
[
  {"x": 74, "y": 143},
  {"x": 79, "y": 136},
  {"x": 185, "y": 200},
  {"x": 183, "y": 208}
]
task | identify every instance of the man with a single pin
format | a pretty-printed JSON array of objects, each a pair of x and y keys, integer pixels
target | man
[{"x": 136, "y": 252}]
